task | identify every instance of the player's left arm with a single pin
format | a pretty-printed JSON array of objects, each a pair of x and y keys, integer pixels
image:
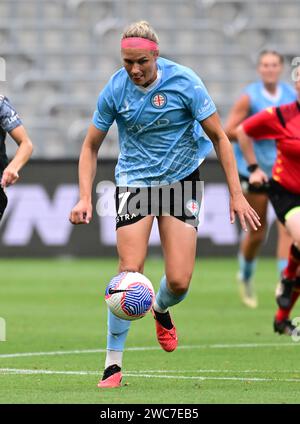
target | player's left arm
[
  {"x": 238, "y": 204},
  {"x": 23, "y": 153}
]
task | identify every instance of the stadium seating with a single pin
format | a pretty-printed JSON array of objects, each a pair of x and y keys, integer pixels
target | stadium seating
[{"x": 60, "y": 53}]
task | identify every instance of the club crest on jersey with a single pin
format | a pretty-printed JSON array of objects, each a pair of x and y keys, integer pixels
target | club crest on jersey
[
  {"x": 159, "y": 100},
  {"x": 193, "y": 206}
]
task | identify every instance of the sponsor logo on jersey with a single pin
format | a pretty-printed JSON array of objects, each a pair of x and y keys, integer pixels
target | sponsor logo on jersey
[
  {"x": 14, "y": 117},
  {"x": 207, "y": 104},
  {"x": 159, "y": 100}
]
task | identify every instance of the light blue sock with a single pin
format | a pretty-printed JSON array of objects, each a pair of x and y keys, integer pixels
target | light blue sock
[
  {"x": 117, "y": 330},
  {"x": 165, "y": 298},
  {"x": 281, "y": 265},
  {"x": 247, "y": 268}
]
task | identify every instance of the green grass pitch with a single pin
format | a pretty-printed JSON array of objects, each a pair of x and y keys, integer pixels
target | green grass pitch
[{"x": 227, "y": 353}]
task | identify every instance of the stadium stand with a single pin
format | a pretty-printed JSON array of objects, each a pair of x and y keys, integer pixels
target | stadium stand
[{"x": 60, "y": 53}]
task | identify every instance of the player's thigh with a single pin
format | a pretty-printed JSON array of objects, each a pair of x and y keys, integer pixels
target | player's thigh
[
  {"x": 292, "y": 224},
  {"x": 259, "y": 202},
  {"x": 179, "y": 242},
  {"x": 132, "y": 244},
  {"x": 284, "y": 240}
]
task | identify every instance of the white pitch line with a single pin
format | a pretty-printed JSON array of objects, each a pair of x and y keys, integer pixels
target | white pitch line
[
  {"x": 53, "y": 353},
  {"x": 32, "y": 372},
  {"x": 25, "y": 371},
  {"x": 149, "y": 348},
  {"x": 77, "y": 352},
  {"x": 181, "y": 377},
  {"x": 176, "y": 377},
  {"x": 255, "y": 371},
  {"x": 251, "y": 345}
]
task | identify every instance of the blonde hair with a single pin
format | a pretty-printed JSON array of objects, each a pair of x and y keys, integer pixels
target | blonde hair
[{"x": 141, "y": 29}]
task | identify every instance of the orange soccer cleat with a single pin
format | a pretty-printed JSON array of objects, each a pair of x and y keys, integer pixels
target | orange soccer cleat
[
  {"x": 167, "y": 338},
  {"x": 112, "y": 377}
]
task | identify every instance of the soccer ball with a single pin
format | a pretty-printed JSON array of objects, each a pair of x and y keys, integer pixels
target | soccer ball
[{"x": 129, "y": 295}]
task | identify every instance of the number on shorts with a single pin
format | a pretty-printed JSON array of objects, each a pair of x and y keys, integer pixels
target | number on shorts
[{"x": 124, "y": 196}]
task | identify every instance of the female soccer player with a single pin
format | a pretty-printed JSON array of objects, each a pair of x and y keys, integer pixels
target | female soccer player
[
  {"x": 266, "y": 92},
  {"x": 281, "y": 123},
  {"x": 158, "y": 106},
  {"x": 9, "y": 172}
]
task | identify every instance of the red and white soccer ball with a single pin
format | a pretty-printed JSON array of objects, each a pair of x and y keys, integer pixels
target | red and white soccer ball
[{"x": 129, "y": 295}]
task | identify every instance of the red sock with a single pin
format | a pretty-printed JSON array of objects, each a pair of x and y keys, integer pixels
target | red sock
[
  {"x": 282, "y": 314},
  {"x": 293, "y": 263}
]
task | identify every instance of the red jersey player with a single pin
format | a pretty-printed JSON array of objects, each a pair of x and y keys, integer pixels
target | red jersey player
[{"x": 282, "y": 124}]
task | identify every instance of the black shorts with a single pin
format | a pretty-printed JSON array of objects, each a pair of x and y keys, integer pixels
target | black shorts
[
  {"x": 3, "y": 202},
  {"x": 181, "y": 200},
  {"x": 250, "y": 188},
  {"x": 282, "y": 200}
]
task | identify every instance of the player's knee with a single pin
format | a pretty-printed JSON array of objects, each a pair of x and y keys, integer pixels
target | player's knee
[
  {"x": 130, "y": 267},
  {"x": 179, "y": 282},
  {"x": 296, "y": 240},
  {"x": 257, "y": 237},
  {"x": 178, "y": 288}
]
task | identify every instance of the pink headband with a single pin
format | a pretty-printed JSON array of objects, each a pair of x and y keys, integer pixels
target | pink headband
[{"x": 138, "y": 43}]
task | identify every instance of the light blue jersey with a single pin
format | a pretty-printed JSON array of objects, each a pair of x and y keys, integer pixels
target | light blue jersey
[
  {"x": 160, "y": 138},
  {"x": 260, "y": 99}
]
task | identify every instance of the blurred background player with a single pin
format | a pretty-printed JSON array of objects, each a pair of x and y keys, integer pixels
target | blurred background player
[
  {"x": 9, "y": 171},
  {"x": 281, "y": 123},
  {"x": 268, "y": 91},
  {"x": 158, "y": 106}
]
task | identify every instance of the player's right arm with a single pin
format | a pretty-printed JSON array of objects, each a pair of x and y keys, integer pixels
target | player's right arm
[
  {"x": 237, "y": 114},
  {"x": 258, "y": 176},
  {"x": 103, "y": 118},
  {"x": 82, "y": 211},
  {"x": 263, "y": 125}
]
